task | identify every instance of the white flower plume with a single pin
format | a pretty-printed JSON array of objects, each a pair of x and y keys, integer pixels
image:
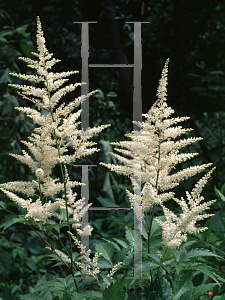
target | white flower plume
[
  {"x": 151, "y": 156},
  {"x": 56, "y": 130}
]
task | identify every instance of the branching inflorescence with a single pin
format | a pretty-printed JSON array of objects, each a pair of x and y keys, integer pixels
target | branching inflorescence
[
  {"x": 152, "y": 153},
  {"x": 57, "y": 129}
]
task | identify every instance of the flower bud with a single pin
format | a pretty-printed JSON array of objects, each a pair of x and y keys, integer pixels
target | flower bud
[{"x": 39, "y": 172}]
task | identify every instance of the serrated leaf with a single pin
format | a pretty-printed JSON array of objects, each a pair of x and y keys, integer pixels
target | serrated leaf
[
  {"x": 114, "y": 291},
  {"x": 164, "y": 290},
  {"x": 106, "y": 249},
  {"x": 122, "y": 243},
  {"x": 155, "y": 258},
  {"x": 207, "y": 270},
  {"x": 121, "y": 254},
  {"x": 103, "y": 264},
  {"x": 111, "y": 242},
  {"x": 77, "y": 296},
  {"x": 196, "y": 253},
  {"x": 196, "y": 291},
  {"x": 181, "y": 283},
  {"x": 93, "y": 294},
  {"x": 52, "y": 286}
]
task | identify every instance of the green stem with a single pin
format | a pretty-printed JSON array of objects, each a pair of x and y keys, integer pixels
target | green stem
[
  {"x": 153, "y": 208},
  {"x": 64, "y": 183}
]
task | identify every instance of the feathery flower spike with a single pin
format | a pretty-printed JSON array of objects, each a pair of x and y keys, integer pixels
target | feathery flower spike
[
  {"x": 56, "y": 130},
  {"x": 156, "y": 150}
]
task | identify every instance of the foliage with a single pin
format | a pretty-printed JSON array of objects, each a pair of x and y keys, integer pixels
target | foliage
[{"x": 195, "y": 271}]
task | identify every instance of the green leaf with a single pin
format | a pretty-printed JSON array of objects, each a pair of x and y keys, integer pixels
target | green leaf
[
  {"x": 121, "y": 254},
  {"x": 121, "y": 243},
  {"x": 106, "y": 280},
  {"x": 5, "y": 261},
  {"x": 112, "y": 94},
  {"x": 196, "y": 291},
  {"x": 156, "y": 229},
  {"x": 66, "y": 296},
  {"x": 155, "y": 258},
  {"x": 5, "y": 78},
  {"x": 107, "y": 186},
  {"x": 130, "y": 237},
  {"x": 181, "y": 283},
  {"x": 198, "y": 253},
  {"x": 106, "y": 150},
  {"x": 217, "y": 222},
  {"x": 58, "y": 226},
  {"x": 164, "y": 290},
  {"x": 117, "y": 220},
  {"x": 22, "y": 29},
  {"x": 76, "y": 296},
  {"x": 93, "y": 294},
  {"x": 32, "y": 265},
  {"x": 217, "y": 72},
  {"x": 52, "y": 286},
  {"x": 219, "y": 194},
  {"x": 131, "y": 296},
  {"x": 27, "y": 47},
  {"x": 107, "y": 202},
  {"x": 104, "y": 264},
  {"x": 5, "y": 33},
  {"x": 114, "y": 291},
  {"x": 10, "y": 220},
  {"x": 114, "y": 244},
  {"x": 207, "y": 270},
  {"x": 201, "y": 65},
  {"x": 106, "y": 249},
  {"x": 222, "y": 190},
  {"x": 3, "y": 204},
  {"x": 10, "y": 102}
]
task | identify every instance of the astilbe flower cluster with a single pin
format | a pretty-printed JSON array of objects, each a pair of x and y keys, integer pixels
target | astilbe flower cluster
[
  {"x": 57, "y": 129},
  {"x": 150, "y": 156}
]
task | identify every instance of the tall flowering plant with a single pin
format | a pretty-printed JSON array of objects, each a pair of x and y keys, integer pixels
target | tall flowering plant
[
  {"x": 151, "y": 156},
  {"x": 57, "y": 130},
  {"x": 155, "y": 149}
]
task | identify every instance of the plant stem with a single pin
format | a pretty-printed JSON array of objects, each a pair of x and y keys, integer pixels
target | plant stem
[{"x": 67, "y": 213}]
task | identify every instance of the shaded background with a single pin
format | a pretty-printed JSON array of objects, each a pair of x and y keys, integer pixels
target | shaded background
[{"x": 191, "y": 33}]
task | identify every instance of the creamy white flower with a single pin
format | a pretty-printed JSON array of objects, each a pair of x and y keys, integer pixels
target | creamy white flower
[
  {"x": 156, "y": 149},
  {"x": 39, "y": 172},
  {"x": 57, "y": 129}
]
